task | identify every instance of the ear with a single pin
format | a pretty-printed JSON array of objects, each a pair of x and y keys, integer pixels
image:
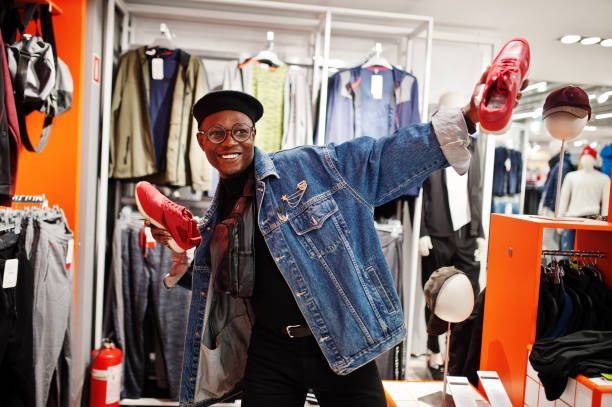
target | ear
[
  {"x": 254, "y": 133},
  {"x": 201, "y": 140}
]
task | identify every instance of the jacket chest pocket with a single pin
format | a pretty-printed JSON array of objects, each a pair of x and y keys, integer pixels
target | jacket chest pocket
[{"x": 321, "y": 228}]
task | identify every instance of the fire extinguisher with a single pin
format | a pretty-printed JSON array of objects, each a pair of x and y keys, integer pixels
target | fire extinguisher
[{"x": 105, "y": 384}]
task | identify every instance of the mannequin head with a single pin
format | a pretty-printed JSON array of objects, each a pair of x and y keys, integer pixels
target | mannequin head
[
  {"x": 455, "y": 300},
  {"x": 587, "y": 162},
  {"x": 564, "y": 125},
  {"x": 451, "y": 100},
  {"x": 450, "y": 297}
]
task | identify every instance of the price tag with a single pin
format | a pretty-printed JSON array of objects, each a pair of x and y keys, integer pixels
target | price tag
[
  {"x": 508, "y": 164},
  {"x": 462, "y": 393},
  {"x": 150, "y": 241},
  {"x": 70, "y": 253},
  {"x": 157, "y": 68},
  {"x": 496, "y": 393},
  {"x": 377, "y": 87},
  {"x": 10, "y": 273}
]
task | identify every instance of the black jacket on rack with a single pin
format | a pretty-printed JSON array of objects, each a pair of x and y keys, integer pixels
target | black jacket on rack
[{"x": 436, "y": 218}]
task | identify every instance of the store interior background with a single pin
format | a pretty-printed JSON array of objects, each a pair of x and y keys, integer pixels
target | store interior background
[{"x": 465, "y": 37}]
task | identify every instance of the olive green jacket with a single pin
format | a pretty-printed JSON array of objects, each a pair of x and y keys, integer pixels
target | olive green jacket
[{"x": 132, "y": 154}]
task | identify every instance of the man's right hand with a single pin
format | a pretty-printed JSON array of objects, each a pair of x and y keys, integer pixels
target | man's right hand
[{"x": 160, "y": 235}]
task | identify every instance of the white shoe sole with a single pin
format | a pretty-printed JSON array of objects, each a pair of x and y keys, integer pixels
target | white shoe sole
[{"x": 171, "y": 243}]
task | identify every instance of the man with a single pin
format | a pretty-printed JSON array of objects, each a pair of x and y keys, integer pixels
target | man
[{"x": 323, "y": 306}]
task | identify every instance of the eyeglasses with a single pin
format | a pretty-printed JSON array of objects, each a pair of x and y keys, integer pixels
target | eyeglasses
[{"x": 216, "y": 134}]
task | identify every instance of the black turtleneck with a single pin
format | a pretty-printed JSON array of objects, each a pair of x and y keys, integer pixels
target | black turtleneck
[{"x": 273, "y": 303}]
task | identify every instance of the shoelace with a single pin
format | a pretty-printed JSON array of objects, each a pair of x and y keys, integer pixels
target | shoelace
[
  {"x": 186, "y": 215},
  {"x": 507, "y": 66}
]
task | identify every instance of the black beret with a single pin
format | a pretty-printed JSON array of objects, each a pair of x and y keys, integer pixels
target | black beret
[{"x": 217, "y": 101}]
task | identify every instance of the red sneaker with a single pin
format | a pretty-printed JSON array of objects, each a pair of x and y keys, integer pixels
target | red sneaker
[
  {"x": 502, "y": 85},
  {"x": 168, "y": 215}
]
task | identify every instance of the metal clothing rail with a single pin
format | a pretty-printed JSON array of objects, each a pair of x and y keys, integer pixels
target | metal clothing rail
[{"x": 573, "y": 253}]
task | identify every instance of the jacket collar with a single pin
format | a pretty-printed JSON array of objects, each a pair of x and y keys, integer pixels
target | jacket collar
[{"x": 264, "y": 166}]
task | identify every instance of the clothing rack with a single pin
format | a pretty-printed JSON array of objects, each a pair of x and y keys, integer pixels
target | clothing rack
[{"x": 573, "y": 253}]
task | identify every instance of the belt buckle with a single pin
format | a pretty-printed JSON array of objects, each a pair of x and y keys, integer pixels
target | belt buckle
[{"x": 289, "y": 328}]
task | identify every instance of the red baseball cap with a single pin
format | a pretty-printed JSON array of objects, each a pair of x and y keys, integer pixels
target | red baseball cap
[{"x": 570, "y": 99}]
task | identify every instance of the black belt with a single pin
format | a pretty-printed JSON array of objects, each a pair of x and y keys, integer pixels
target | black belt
[{"x": 296, "y": 331}]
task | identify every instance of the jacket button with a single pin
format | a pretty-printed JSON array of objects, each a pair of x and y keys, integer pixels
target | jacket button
[
  {"x": 202, "y": 293},
  {"x": 197, "y": 334},
  {"x": 191, "y": 379}
]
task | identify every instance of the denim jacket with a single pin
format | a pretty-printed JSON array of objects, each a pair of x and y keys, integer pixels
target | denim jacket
[{"x": 326, "y": 247}]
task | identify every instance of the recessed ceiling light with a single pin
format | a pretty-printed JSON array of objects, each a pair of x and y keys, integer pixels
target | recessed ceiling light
[
  {"x": 603, "y": 98},
  {"x": 579, "y": 143},
  {"x": 592, "y": 96},
  {"x": 590, "y": 40},
  {"x": 590, "y": 128},
  {"x": 570, "y": 39},
  {"x": 606, "y": 43},
  {"x": 603, "y": 116}
]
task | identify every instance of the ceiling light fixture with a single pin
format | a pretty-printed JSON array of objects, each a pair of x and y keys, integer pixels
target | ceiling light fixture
[
  {"x": 570, "y": 39},
  {"x": 590, "y": 40},
  {"x": 603, "y": 98},
  {"x": 519, "y": 116},
  {"x": 603, "y": 116},
  {"x": 579, "y": 143},
  {"x": 606, "y": 43},
  {"x": 592, "y": 96},
  {"x": 539, "y": 86},
  {"x": 590, "y": 128},
  {"x": 594, "y": 144}
]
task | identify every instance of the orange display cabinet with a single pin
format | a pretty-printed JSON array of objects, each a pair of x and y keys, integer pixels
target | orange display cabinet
[{"x": 513, "y": 282}]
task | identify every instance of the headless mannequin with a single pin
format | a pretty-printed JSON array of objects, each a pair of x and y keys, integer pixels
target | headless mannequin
[
  {"x": 586, "y": 191},
  {"x": 451, "y": 233}
]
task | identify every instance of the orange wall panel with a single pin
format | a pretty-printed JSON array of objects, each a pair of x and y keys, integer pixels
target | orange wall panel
[{"x": 55, "y": 171}]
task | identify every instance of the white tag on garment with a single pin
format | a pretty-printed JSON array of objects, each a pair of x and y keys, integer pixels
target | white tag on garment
[
  {"x": 377, "y": 87},
  {"x": 157, "y": 68},
  {"x": 508, "y": 164},
  {"x": 70, "y": 253},
  {"x": 149, "y": 238},
  {"x": 10, "y": 273}
]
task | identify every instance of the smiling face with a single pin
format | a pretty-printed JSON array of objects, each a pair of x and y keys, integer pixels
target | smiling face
[{"x": 230, "y": 157}]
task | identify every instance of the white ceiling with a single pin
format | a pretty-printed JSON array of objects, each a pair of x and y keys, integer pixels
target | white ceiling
[{"x": 541, "y": 22}]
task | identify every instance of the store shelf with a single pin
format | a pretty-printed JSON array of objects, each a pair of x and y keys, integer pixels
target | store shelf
[{"x": 513, "y": 286}]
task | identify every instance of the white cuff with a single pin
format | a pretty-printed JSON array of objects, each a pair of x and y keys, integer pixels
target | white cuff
[{"x": 452, "y": 133}]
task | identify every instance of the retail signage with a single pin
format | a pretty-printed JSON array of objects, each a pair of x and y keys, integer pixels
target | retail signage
[
  {"x": 96, "y": 68},
  {"x": 496, "y": 393}
]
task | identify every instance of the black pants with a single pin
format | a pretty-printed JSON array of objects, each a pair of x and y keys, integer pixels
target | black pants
[
  {"x": 280, "y": 371},
  {"x": 455, "y": 250},
  {"x": 16, "y": 346}
]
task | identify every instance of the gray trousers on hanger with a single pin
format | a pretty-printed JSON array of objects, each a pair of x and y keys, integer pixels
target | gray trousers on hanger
[
  {"x": 53, "y": 314},
  {"x": 142, "y": 288}
]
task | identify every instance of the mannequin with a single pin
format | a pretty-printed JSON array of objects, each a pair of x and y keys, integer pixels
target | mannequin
[
  {"x": 586, "y": 191},
  {"x": 451, "y": 235}
]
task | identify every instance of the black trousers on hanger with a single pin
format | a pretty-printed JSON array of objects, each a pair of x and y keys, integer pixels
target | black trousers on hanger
[
  {"x": 280, "y": 371},
  {"x": 454, "y": 250}
]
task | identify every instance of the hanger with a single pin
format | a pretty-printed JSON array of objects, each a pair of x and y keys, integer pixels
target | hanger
[
  {"x": 268, "y": 55},
  {"x": 164, "y": 41},
  {"x": 375, "y": 59}
]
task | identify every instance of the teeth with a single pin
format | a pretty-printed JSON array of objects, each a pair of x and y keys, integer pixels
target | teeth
[{"x": 229, "y": 156}]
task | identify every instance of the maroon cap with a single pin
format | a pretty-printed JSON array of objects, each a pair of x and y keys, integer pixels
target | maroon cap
[{"x": 570, "y": 99}]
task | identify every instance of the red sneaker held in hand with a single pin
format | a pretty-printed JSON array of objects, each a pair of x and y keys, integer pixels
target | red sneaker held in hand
[
  {"x": 502, "y": 86},
  {"x": 167, "y": 215}
]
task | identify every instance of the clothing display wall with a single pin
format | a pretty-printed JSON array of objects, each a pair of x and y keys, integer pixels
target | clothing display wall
[
  {"x": 36, "y": 309},
  {"x": 370, "y": 101},
  {"x": 142, "y": 315},
  {"x": 153, "y": 134},
  {"x": 285, "y": 95}
]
